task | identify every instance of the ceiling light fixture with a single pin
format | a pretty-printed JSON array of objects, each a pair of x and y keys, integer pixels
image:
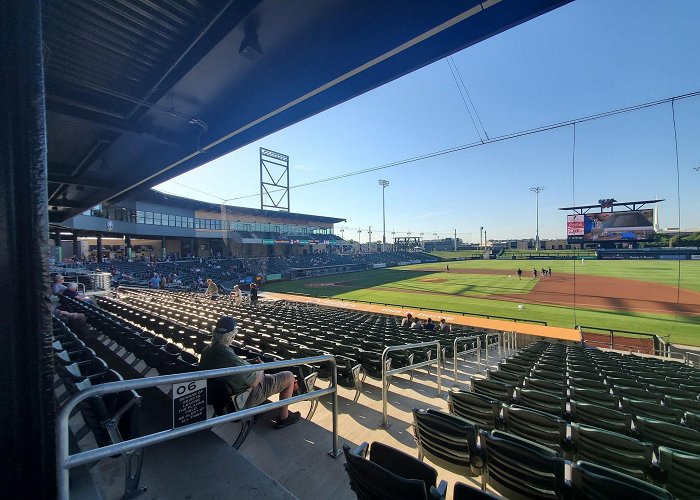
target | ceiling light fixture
[{"x": 250, "y": 46}]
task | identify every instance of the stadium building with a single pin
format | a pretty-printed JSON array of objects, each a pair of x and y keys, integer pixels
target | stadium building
[{"x": 152, "y": 224}]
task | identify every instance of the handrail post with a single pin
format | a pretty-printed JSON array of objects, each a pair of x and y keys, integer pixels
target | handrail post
[
  {"x": 439, "y": 372},
  {"x": 335, "y": 452},
  {"x": 478, "y": 354},
  {"x": 386, "y": 374},
  {"x": 455, "y": 350}
]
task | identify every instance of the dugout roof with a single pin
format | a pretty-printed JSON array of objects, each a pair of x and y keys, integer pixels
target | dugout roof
[{"x": 138, "y": 91}]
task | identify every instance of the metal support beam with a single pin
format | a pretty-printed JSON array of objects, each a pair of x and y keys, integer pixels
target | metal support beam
[{"x": 26, "y": 372}]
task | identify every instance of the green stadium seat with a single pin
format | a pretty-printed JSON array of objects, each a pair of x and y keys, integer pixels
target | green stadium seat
[
  {"x": 692, "y": 420},
  {"x": 682, "y": 403},
  {"x": 544, "y": 385},
  {"x": 610, "y": 449},
  {"x": 666, "y": 434},
  {"x": 390, "y": 473},
  {"x": 652, "y": 410},
  {"x": 493, "y": 389},
  {"x": 482, "y": 410},
  {"x": 680, "y": 472},
  {"x": 448, "y": 441},
  {"x": 594, "y": 396},
  {"x": 520, "y": 469},
  {"x": 593, "y": 482},
  {"x": 462, "y": 491},
  {"x": 543, "y": 428},
  {"x": 542, "y": 401},
  {"x": 601, "y": 416},
  {"x": 637, "y": 394}
]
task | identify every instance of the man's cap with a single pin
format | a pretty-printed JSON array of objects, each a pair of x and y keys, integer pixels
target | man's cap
[
  {"x": 58, "y": 277},
  {"x": 225, "y": 325}
]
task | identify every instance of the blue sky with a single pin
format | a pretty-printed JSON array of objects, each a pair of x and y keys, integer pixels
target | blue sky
[{"x": 587, "y": 57}]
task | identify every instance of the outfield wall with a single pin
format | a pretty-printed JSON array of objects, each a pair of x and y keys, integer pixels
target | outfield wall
[{"x": 649, "y": 254}]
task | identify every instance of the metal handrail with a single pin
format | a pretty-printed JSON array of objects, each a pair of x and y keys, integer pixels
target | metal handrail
[
  {"x": 690, "y": 361},
  {"x": 486, "y": 346},
  {"x": 510, "y": 342},
  {"x": 65, "y": 461},
  {"x": 385, "y": 373},
  {"x": 466, "y": 351}
]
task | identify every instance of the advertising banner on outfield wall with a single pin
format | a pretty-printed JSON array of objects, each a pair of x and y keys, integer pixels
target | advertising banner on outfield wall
[{"x": 273, "y": 277}]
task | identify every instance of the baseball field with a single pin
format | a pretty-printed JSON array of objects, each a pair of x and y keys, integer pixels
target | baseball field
[{"x": 660, "y": 297}]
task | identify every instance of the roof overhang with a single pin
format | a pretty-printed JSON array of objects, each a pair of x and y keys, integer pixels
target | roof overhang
[{"x": 139, "y": 93}]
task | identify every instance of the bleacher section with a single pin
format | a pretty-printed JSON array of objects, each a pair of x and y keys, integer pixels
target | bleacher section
[
  {"x": 231, "y": 269},
  {"x": 549, "y": 421}
]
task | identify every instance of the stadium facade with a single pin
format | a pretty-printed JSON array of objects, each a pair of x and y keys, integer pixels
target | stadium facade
[{"x": 152, "y": 224}]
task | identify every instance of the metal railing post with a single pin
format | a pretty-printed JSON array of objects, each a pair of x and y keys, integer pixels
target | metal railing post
[
  {"x": 335, "y": 452},
  {"x": 65, "y": 461},
  {"x": 454, "y": 352},
  {"x": 478, "y": 354},
  {"x": 388, "y": 373}
]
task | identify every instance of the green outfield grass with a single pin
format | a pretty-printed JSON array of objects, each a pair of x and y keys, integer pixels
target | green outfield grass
[
  {"x": 654, "y": 271},
  {"x": 408, "y": 286}
]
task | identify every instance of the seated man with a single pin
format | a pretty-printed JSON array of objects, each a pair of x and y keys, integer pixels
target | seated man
[
  {"x": 58, "y": 286},
  {"x": 218, "y": 354}
]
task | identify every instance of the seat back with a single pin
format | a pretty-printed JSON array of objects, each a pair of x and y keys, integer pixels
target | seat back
[
  {"x": 600, "y": 416},
  {"x": 680, "y": 472},
  {"x": 666, "y": 434},
  {"x": 462, "y": 491},
  {"x": 447, "y": 441},
  {"x": 593, "y": 482},
  {"x": 520, "y": 469},
  {"x": 542, "y": 401},
  {"x": 493, "y": 389},
  {"x": 542, "y": 428},
  {"x": 482, "y": 410},
  {"x": 653, "y": 410},
  {"x": 613, "y": 450},
  {"x": 219, "y": 396},
  {"x": 595, "y": 396},
  {"x": 371, "y": 481}
]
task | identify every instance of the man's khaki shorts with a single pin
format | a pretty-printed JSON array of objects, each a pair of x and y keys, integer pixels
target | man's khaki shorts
[{"x": 271, "y": 384}]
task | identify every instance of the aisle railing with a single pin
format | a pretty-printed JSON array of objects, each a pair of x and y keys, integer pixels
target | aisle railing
[
  {"x": 388, "y": 373},
  {"x": 65, "y": 461},
  {"x": 476, "y": 348}
]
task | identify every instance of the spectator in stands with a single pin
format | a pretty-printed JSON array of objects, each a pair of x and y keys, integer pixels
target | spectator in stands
[
  {"x": 236, "y": 295},
  {"x": 253, "y": 294},
  {"x": 58, "y": 287},
  {"x": 416, "y": 325},
  {"x": 429, "y": 326},
  {"x": 72, "y": 292},
  {"x": 212, "y": 290},
  {"x": 444, "y": 327},
  {"x": 77, "y": 322},
  {"x": 260, "y": 385},
  {"x": 407, "y": 321},
  {"x": 154, "y": 282}
]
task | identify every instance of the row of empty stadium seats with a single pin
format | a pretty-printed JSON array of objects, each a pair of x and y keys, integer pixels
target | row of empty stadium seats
[{"x": 106, "y": 419}]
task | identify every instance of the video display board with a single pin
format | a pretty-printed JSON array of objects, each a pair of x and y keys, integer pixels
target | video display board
[{"x": 634, "y": 225}]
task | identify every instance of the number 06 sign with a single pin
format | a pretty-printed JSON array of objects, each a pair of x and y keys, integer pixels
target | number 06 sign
[{"x": 189, "y": 402}]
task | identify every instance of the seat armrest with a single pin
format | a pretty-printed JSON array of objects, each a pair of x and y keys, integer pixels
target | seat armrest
[{"x": 361, "y": 451}]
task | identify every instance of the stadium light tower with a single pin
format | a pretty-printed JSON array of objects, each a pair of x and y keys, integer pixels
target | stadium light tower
[
  {"x": 383, "y": 183},
  {"x": 537, "y": 190}
]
